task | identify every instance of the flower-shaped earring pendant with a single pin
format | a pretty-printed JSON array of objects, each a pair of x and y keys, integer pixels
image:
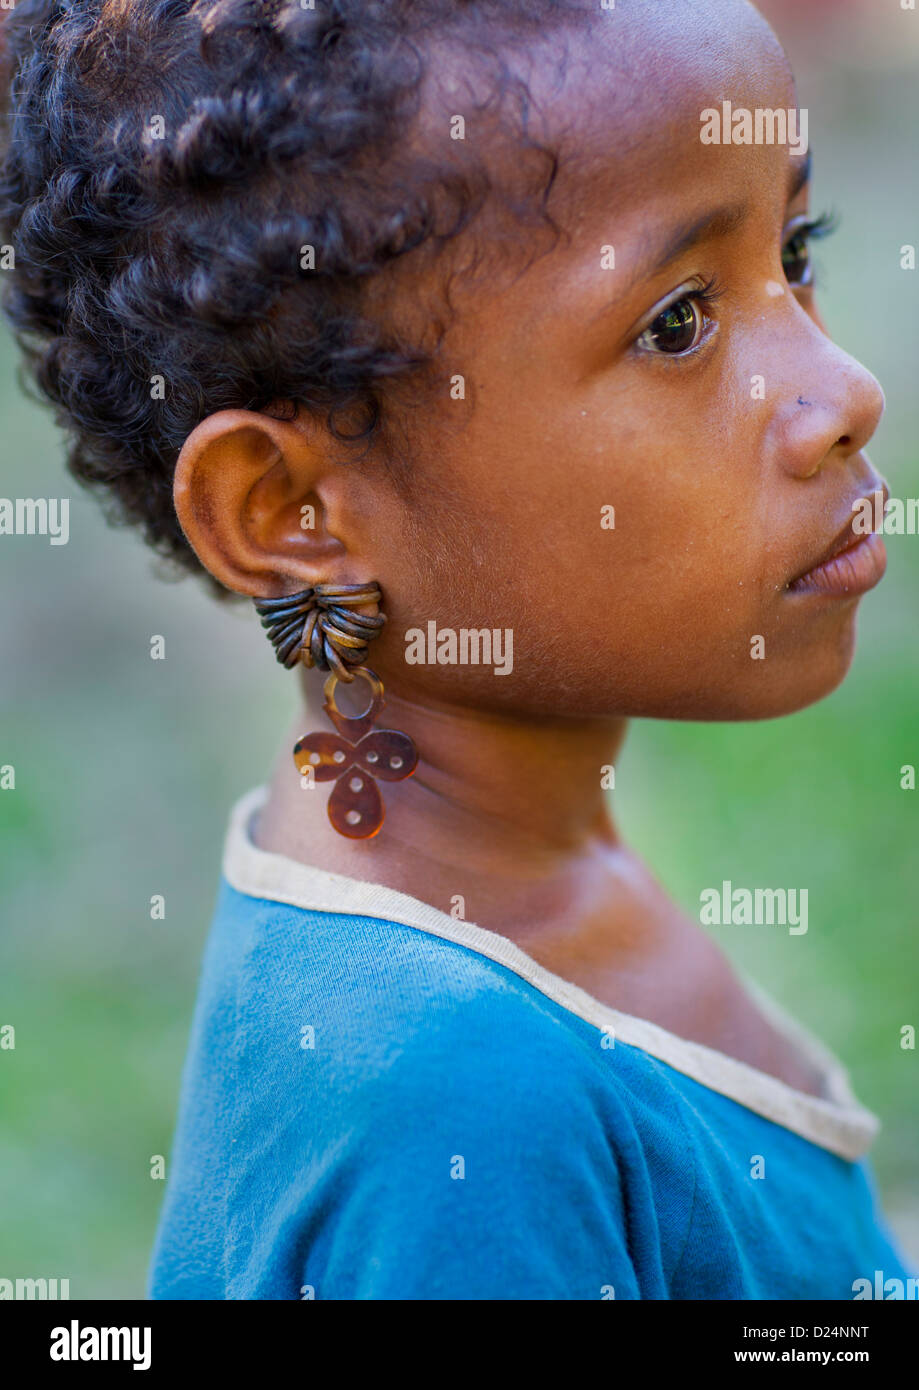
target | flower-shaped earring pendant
[{"x": 355, "y": 763}]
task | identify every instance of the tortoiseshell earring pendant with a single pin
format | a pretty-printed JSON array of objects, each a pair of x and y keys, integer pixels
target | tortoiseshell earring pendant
[
  {"x": 318, "y": 628},
  {"x": 354, "y": 758}
]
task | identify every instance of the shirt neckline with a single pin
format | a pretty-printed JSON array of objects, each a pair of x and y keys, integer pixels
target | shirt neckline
[{"x": 837, "y": 1122}]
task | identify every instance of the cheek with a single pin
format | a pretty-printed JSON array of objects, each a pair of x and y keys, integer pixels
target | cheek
[
  {"x": 618, "y": 557},
  {"x": 650, "y": 513},
  {"x": 627, "y": 546}
]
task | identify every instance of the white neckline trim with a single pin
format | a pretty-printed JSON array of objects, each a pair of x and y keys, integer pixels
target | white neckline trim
[{"x": 838, "y": 1123}]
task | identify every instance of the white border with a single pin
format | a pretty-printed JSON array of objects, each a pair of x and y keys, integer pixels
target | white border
[{"x": 838, "y": 1123}]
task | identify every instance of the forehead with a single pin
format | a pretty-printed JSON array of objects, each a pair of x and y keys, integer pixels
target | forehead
[
  {"x": 637, "y": 80},
  {"x": 674, "y": 50}
]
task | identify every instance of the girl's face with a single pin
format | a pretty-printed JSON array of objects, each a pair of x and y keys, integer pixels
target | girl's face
[{"x": 722, "y": 425}]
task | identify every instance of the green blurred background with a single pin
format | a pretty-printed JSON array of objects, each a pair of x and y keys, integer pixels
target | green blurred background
[{"x": 126, "y": 767}]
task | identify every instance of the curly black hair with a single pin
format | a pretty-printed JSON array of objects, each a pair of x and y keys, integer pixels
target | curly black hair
[{"x": 165, "y": 166}]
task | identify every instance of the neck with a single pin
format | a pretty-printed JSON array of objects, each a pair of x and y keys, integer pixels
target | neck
[{"x": 500, "y": 808}]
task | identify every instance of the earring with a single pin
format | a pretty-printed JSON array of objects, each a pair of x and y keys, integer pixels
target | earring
[{"x": 319, "y": 627}]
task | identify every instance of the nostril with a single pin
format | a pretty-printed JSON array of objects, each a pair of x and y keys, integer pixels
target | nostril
[{"x": 844, "y": 439}]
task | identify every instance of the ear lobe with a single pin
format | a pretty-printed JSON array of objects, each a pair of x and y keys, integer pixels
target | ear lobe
[{"x": 243, "y": 482}]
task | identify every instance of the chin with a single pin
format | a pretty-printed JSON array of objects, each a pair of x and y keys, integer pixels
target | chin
[
  {"x": 810, "y": 673},
  {"x": 803, "y": 672}
]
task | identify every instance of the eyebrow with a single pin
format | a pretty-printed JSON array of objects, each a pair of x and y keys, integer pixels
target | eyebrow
[
  {"x": 719, "y": 222},
  {"x": 800, "y": 175}
]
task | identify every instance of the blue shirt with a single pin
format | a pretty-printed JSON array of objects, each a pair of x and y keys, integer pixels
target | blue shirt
[{"x": 408, "y": 1107}]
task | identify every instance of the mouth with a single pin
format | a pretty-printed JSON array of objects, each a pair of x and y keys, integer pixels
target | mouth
[{"x": 854, "y": 561}]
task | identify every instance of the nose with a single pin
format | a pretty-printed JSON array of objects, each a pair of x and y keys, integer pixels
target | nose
[{"x": 832, "y": 408}]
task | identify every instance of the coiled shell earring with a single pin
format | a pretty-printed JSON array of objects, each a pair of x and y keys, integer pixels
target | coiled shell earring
[{"x": 319, "y": 627}]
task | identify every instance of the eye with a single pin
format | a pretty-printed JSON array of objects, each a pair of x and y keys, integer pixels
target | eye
[
  {"x": 679, "y": 328},
  {"x": 796, "y": 260},
  {"x": 796, "y": 255}
]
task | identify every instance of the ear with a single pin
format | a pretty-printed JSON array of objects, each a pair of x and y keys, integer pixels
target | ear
[{"x": 264, "y": 506}]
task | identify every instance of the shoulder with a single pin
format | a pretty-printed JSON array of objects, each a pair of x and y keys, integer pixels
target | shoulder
[
  {"x": 378, "y": 1021},
  {"x": 436, "y": 1122},
  {"x": 378, "y": 1007},
  {"x": 468, "y": 1134}
]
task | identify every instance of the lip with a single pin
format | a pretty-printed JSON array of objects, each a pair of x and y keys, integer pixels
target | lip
[{"x": 853, "y": 562}]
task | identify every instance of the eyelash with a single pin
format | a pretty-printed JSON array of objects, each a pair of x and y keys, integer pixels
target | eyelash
[
  {"x": 824, "y": 225},
  {"x": 705, "y": 295}
]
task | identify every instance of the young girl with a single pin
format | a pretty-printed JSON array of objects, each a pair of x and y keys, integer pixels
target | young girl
[{"x": 440, "y": 331}]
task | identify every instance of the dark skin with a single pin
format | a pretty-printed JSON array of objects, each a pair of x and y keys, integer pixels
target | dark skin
[{"x": 721, "y": 499}]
